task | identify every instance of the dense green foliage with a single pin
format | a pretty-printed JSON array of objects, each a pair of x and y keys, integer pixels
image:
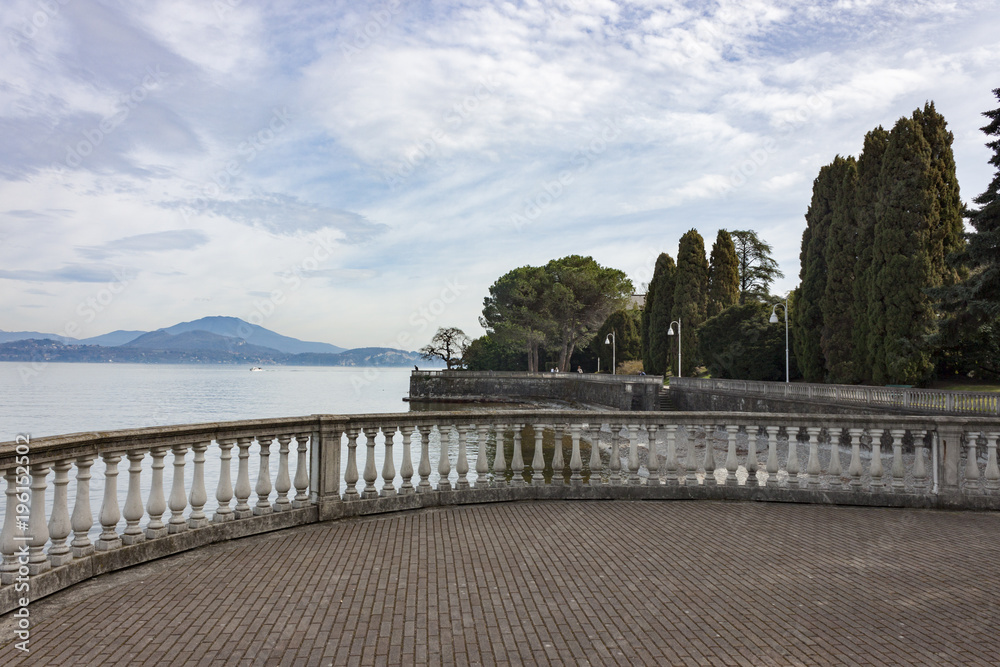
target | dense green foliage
[
  {"x": 560, "y": 305},
  {"x": 487, "y": 353},
  {"x": 757, "y": 269},
  {"x": 723, "y": 275},
  {"x": 740, "y": 343},
  {"x": 656, "y": 317},
  {"x": 690, "y": 296},
  {"x": 626, "y": 325},
  {"x": 837, "y": 302}
]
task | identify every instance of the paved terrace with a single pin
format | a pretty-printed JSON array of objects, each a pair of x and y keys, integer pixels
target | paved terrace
[{"x": 554, "y": 583}]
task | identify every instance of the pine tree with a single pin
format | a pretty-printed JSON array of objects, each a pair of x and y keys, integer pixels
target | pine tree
[
  {"x": 690, "y": 296},
  {"x": 840, "y": 256},
  {"x": 866, "y": 193},
  {"x": 656, "y": 316},
  {"x": 757, "y": 268},
  {"x": 808, "y": 314},
  {"x": 723, "y": 275}
]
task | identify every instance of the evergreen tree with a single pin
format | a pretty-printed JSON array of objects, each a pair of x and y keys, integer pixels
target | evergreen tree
[
  {"x": 626, "y": 324},
  {"x": 808, "y": 314},
  {"x": 866, "y": 193},
  {"x": 656, "y": 316},
  {"x": 757, "y": 268},
  {"x": 723, "y": 275},
  {"x": 837, "y": 304},
  {"x": 690, "y": 296}
]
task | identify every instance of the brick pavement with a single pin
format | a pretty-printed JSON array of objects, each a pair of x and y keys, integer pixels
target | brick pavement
[{"x": 554, "y": 583}]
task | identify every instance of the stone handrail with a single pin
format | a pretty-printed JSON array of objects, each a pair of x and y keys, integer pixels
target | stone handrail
[
  {"x": 483, "y": 456},
  {"x": 929, "y": 400},
  {"x": 590, "y": 377}
]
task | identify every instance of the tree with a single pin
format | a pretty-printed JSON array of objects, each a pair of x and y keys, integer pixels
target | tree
[
  {"x": 448, "y": 344},
  {"x": 656, "y": 316},
  {"x": 690, "y": 296},
  {"x": 757, "y": 269},
  {"x": 487, "y": 353},
  {"x": 740, "y": 343},
  {"x": 582, "y": 295},
  {"x": 514, "y": 311},
  {"x": 723, "y": 275},
  {"x": 626, "y": 325},
  {"x": 837, "y": 302},
  {"x": 869, "y": 166}
]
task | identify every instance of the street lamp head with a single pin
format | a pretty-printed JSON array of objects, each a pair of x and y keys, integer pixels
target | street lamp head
[
  {"x": 670, "y": 331},
  {"x": 607, "y": 339},
  {"x": 774, "y": 318}
]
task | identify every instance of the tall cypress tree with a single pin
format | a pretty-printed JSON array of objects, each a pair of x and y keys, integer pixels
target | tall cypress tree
[
  {"x": 840, "y": 255},
  {"x": 813, "y": 271},
  {"x": 656, "y": 316},
  {"x": 723, "y": 275},
  {"x": 866, "y": 193},
  {"x": 690, "y": 296}
]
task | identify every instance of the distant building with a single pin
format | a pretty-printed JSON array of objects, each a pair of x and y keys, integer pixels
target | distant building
[{"x": 637, "y": 301}]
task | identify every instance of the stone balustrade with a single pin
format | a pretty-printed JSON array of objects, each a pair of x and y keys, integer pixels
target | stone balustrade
[{"x": 329, "y": 467}]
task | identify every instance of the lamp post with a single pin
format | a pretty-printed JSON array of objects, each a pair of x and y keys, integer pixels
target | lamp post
[
  {"x": 774, "y": 320},
  {"x": 611, "y": 340},
  {"x": 670, "y": 332}
]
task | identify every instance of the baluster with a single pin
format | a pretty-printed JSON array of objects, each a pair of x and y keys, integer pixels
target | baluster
[
  {"x": 595, "y": 455},
  {"x": 875, "y": 469},
  {"x": 9, "y": 538},
  {"x": 517, "y": 459},
  {"x": 653, "y": 460},
  {"x": 731, "y": 463},
  {"x": 752, "y": 456},
  {"x": 462, "y": 462},
  {"x": 302, "y": 471},
  {"x": 82, "y": 518},
  {"x": 482, "y": 456},
  {"x": 633, "y": 454},
  {"x": 351, "y": 474},
  {"x": 855, "y": 470},
  {"x": 792, "y": 467},
  {"x": 178, "y": 501},
  {"x": 133, "y": 501},
  {"x": 388, "y": 465},
  {"x": 110, "y": 513},
  {"x": 198, "y": 496},
  {"x": 691, "y": 479},
  {"x": 243, "y": 509},
  {"x": 919, "y": 469},
  {"x": 710, "y": 455},
  {"x": 812, "y": 467},
  {"x": 898, "y": 471},
  {"x": 424, "y": 468},
  {"x": 499, "y": 462},
  {"x": 444, "y": 465},
  {"x": 59, "y": 528},
  {"x": 224, "y": 490},
  {"x": 558, "y": 464},
  {"x": 575, "y": 460},
  {"x": 263, "y": 487},
  {"x": 833, "y": 470},
  {"x": 992, "y": 479},
  {"x": 407, "y": 470},
  {"x": 370, "y": 474},
  {"x": 283, "y": 484},
  {"x": 972, "y": 465},
  {"x": 616, "y": 455},
  {"x": 772, "y": 455},
  {"x": 538, "y": 460},
  {"x": 671, "y": 464}
]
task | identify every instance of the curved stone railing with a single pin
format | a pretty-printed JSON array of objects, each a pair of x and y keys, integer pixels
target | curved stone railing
[
  {"x": 923, "y": 400},
  {"x": 450, "y": 458}
]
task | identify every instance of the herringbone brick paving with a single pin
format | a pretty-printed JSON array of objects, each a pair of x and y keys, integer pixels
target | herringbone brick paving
[{"x": 554, "y": 583}]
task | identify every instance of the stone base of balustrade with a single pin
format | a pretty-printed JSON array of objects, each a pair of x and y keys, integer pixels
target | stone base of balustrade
[
  {"x": 131, "y": 539},
  {"x": 58, "y": 560},
  {"x": 83, "y": 552},
  {"x": 198, "y": 523},
  {"x": 151, "y": 534},
  {"x": 219, "y": 517},
  {"x": 108, "y": 545}
]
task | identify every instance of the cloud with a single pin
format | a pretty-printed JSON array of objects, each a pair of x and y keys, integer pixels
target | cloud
[
  {"x": 177, "y": 239},
  {"x": 72, "y": 273}
]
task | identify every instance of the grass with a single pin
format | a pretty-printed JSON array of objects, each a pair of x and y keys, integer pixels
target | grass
[{"x": 965, "y": 385}]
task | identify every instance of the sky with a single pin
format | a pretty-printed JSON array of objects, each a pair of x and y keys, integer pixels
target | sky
[{"x": 361, "y": 173}]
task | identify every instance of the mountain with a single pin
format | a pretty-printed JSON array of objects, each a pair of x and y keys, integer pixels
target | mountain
[
  {"x": 191, "y": 341},
  {"x": 8, "y": 336},
  {"x": 112, "y": 339},
  {"x": 233, "y": 327}
]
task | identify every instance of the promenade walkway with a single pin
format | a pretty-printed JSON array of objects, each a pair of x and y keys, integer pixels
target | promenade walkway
[{"x": 553, "y": 583}]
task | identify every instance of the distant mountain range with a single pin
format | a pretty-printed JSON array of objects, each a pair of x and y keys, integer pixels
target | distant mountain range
[{"x": 208, "y": 340}]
